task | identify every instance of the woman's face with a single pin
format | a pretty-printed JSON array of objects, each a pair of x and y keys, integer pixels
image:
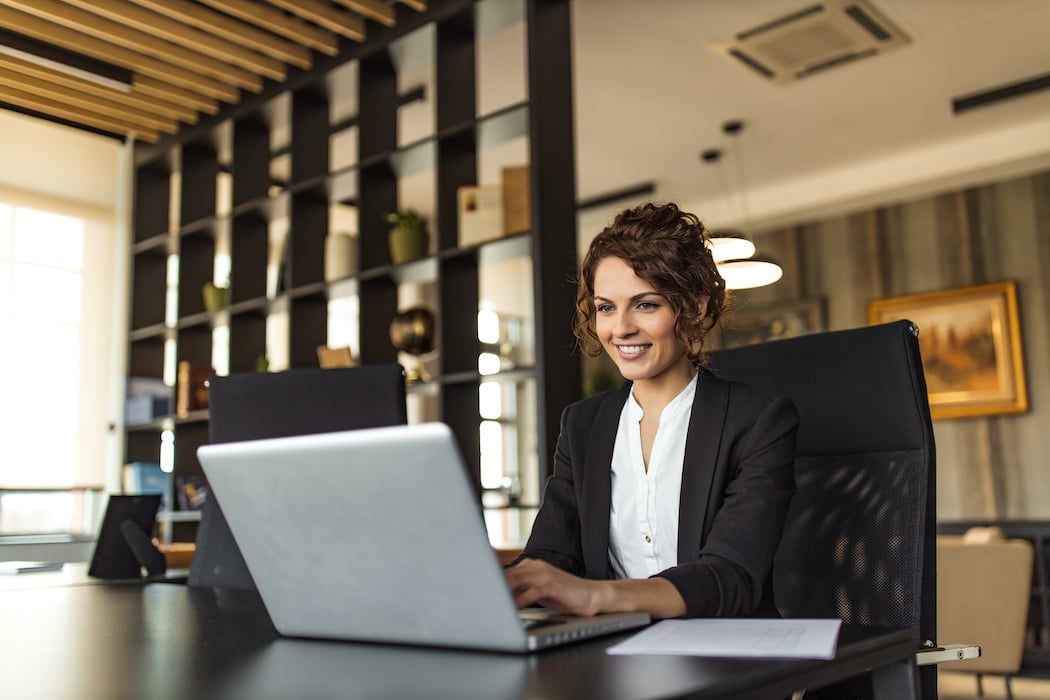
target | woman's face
[{"x": 636, "y": 325}]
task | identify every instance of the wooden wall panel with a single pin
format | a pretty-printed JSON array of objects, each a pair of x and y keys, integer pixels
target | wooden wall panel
[{"x": 995, "y": 466}]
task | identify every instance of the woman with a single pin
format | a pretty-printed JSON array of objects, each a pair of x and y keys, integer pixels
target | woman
[{"x": 668, "y": 494}]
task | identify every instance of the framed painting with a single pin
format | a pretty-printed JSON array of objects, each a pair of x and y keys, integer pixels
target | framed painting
[
  {"x": 750, "y": 325},
  {"x": 970, "y": 340}
]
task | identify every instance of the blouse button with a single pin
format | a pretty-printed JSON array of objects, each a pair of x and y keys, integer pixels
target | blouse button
[{"x": 648, "y": 540}]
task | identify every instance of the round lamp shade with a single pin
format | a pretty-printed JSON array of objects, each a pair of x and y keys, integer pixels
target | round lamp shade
[
  {"x": 747, "y": 274},
  {"x": 730, "y": 245}
]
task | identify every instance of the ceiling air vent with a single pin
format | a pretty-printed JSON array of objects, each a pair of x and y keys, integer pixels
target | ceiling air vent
[{"x": 812, "y": 39}]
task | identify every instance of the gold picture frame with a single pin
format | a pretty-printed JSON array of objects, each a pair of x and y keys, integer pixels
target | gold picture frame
[{"x": 970, "y": 341}]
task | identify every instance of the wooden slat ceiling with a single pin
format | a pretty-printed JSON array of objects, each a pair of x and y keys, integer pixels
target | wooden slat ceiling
[{"x": 183, "y": 57}]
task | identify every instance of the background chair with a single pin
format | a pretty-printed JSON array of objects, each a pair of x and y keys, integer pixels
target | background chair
[
  {"x": 255, "y": 405},
  {"x": 860, "y": 540},
  {"x": 983, "y": 589}
]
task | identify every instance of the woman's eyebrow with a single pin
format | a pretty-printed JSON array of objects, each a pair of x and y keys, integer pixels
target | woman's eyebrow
[{"x": 636, "y": 297}]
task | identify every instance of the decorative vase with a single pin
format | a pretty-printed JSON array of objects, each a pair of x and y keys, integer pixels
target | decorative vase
[
  {"x": 408, "y": 243},
  {"x": 215, "y": 297},
  {"x": 340, "y": 256},
  {"x": 413, "y": 331}
]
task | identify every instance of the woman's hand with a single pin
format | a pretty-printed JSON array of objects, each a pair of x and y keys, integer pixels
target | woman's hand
[{"x": 535, "y": 582}]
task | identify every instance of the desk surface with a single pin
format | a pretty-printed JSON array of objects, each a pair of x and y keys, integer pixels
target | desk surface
[{"x": 163, "y": 640}]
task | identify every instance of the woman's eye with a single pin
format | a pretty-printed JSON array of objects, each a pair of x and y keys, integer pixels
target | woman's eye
[
  {"x": 603, "y": 308},
  {"x": 648, "y": 306}
]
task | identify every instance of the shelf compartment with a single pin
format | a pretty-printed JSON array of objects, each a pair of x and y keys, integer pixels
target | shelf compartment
[
  {"x": 458, "y": 316},
  {"x": 149, "y": 288},
  {"x": 247, "y": 339},
  {"x": 200, "y": 170},
  {"x": 378, "y": 307},
  {"x": 152, "y": 201},
  {"x": 307, "y": 329},
  {"x": 308, "y": 220},
  {"x": 309, "y": 147},
  {"x": 196, "y": 267},
  {"x": 251, "y": 162},
  {"x": 146, "y": 357},
  {"x": 248, "y": 255}
]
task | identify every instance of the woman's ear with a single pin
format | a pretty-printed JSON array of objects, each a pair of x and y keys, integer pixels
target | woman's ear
[{"x": 701, "y": 305}]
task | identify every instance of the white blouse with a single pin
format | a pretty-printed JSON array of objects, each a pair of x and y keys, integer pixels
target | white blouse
[{"x": 643, "y": 521}]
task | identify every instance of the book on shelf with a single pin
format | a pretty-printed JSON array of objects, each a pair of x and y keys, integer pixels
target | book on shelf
[
  {"x": 191, "y": 491},
  {"x": 516, "y": 202},
  {"x": 192, "y": 387},
  {"x": 141, "y": 478},
  {"x": 147, "y": 400}
]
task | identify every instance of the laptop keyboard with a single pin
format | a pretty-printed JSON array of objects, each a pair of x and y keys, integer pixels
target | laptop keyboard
[{"x": 535, "y": 618}]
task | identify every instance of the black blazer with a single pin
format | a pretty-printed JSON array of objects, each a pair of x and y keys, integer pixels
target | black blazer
[{"x": 737, "y": 481}]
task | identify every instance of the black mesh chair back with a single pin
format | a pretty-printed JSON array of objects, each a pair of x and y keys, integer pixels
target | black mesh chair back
[
  {"x": 860, "y": 540},
  {"x": 256, "y": 405}
]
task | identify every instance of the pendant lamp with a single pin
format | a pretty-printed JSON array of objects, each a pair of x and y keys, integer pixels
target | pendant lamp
[{"x": 733, "y": 251}]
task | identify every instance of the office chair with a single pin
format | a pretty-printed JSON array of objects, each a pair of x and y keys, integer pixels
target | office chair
[
  {"x": 255, "y": 405},
  {"x": 860, "y": 539}
]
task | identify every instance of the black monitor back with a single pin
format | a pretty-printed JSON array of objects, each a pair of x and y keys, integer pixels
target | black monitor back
[{"x": 257, "y": 405}]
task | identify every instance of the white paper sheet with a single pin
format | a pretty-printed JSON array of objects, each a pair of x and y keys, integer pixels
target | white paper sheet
[{"x": 767, "y": 639}]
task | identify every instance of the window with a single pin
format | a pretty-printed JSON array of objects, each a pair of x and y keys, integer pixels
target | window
[{"x": 54, "y": 364}]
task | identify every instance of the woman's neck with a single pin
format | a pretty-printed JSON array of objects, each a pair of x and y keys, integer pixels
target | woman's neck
[{"x": 655, "y": 393}]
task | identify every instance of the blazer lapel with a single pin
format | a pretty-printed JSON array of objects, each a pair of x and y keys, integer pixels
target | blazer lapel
[
  {"x": 701, "y": 454},
  {"x": 597, "y": 487}
]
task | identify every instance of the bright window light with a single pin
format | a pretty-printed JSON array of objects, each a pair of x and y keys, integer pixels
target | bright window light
[
  {"x": 41, "y": 287},
  {"x": 45, "y": 293},
  {"x": 488, "y": 326},
  {"x": 491, "y": 455},
  {"x": 48, "y": 239},
  {"x": 490, "y": 400},
  {"x": 5, "y": 290},
  {"x": 167, "y": 451},
  {"x": 488, "y": 363},
  {"x": 5, "y": 231}
]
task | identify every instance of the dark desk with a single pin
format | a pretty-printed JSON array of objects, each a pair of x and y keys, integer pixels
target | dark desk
[{"x": 154, "y": 641}]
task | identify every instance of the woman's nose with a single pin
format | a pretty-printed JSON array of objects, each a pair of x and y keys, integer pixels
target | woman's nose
[{"x": 623, "y": 327}]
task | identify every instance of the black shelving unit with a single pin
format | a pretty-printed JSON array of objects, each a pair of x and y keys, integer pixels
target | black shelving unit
[{"x": 180, "y": 174}]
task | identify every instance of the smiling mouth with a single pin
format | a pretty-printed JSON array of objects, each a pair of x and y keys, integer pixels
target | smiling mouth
[{"x": 631, "y": 350}]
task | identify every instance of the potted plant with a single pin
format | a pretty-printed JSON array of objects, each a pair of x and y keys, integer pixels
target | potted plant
[{"x": 409, "y": 238}]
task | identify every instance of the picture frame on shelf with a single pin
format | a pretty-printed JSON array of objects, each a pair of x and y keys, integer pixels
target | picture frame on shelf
[
  {"x": 480, "y": 214},
  {"x": 759, "y": 324},
  {"x": 970, "y": 340}
]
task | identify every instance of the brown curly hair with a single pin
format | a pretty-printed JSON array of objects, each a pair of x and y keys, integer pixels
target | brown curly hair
[{"x": 667, "y": 248}]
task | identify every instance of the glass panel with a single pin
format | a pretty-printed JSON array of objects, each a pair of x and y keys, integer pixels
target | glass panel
[
  {"x": 5, "y": 231},
  {"x": 5, "y": 291},
  {"x": 48, "y": 349},
  {"x": 344, "y": 318},
  {"x": 38, "y": 513},
  {"x": 413, "y": 58},
  {"x": 277, "y": 341},
  {"x": 501, "y": 51},
  {"x": 171, "y": 295},
  {"x": 48, "y": 239},
  {"x": 46, "y": 293},
  {"x": 220, "y": 350},
  {"x": 507, "y": 312}
]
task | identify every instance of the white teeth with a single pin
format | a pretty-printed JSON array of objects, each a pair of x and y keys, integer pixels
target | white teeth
[{"x": 631, "y": 349}]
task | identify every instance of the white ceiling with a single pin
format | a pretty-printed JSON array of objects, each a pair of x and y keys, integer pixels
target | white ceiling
[{"x": 651, "y": 94}]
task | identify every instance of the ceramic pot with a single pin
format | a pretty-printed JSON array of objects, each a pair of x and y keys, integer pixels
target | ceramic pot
[
  {"x": 340, "y": 256},
  {"x": 408, "y": 243},
  {"x": 215, "y": 297}
]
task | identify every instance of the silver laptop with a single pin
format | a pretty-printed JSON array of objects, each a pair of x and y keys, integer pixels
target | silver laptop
[{"x": 376, "y": 535}]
